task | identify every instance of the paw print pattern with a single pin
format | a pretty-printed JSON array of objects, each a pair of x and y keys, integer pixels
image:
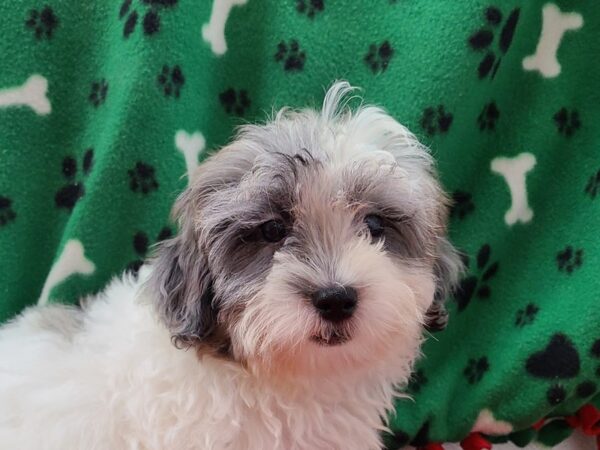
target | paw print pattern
[
  {"x": 235, "y": 102},
  {"x": 310, "y": 7},
  {"x": 477, "y": 285},
  {"x": 488, "y": 117},
  {"x": 99, "y": 91},
  {"x": 141, "y": 244},
  {"x": 151, "y": 20},
  {"x": 171, "y": 80},
  {"x": 379, "y": 56},
  {"x": 417, "y": 381},
  {"x": 556, "y": 395},
  {"x": 462, "y": 204},
  {"x": 74, "y": 189},
  {"x": 43, "y": 23},
  {"x": 567, "y": 122},
  {"x": 586, "y": 389},
  {"x": 7, "y": 214},
  {"x": 593, "y": 185},
  {"x": 476, "y": 369},
  {"x": 527, "y": 315},
  {"x": 595, "y": 352},
  {"x": 482, "y": 39},
  {"x": 291, "y": 55},
  {"x": 142, "y": 178},
  {"x": 559, "y": 360},
  {"x": 436, "y": 120},
  {"x": 569, "y": 259}
]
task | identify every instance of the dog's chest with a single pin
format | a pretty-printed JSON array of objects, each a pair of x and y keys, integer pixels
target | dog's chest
[{"x": 228, "y": 410}]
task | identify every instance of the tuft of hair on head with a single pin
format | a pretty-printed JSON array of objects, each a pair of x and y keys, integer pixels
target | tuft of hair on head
[{"x": 337, "y": 99}]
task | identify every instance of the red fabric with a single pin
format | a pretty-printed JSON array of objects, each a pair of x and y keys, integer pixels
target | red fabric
[
  {"x": 539, "y": 424},
  {"x": 475, "y": 441},
  {"x": 589, "y": 419},
  {"x": 431, "y": 446}
]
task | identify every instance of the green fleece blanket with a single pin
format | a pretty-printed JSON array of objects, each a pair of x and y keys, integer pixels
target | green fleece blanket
[{"x": 105, "y": 104}]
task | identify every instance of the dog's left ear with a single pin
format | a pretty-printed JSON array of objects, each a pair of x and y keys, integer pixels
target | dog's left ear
[{"x": 447, "y": 270}]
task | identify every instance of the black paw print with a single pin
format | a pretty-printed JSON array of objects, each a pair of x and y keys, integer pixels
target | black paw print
[
  {"x": 595, "y": 352},
  {"x": 488, "y": 117},
  {"x": 310, "y": 7},
  {"x": 292, "y": 56},
  {"x": 569, "y": 259},
  {"x": 567, "y": 121},
  {"x": 593, "y": 185},
  {"x": 436, "y": 120},
  {"x": 171, "y": 80},
  {"x": 556, "y": 395},
  {"x": 98, "y": 94},
  {"x": 43, "y": 22},
  {"x": 379, "y": 56},
  {"x": 235, "y": 102},
  {"x": 476, "y": 369},
  {"x": 151, "y": 21},
  {"x": 142, "y": 178},
  {"x": 70, "y": 193},
  {"x": 462, "y": 204},
  {"x": 417, "y": 381},
  {"x": 526, "y": 316},
  {"x": 559, "y": 360},
  {"x": 483, "y": 39},
  {"x": 6, "y": 212},
  {"x": 141, "y": 243},
  {"x": 586, "y": 389},
  {"x": 477, "y": 285}
]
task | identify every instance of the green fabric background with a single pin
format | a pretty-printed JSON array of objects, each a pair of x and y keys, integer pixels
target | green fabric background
[{"x": 431, "y": 63}]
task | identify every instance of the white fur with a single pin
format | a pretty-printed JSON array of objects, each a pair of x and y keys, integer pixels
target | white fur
[{"x": 117, "y": 382}]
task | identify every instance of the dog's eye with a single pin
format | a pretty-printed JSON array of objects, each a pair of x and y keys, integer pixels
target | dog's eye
[
  {"x": 273, "y": 230},
  {"x": 375, "y": 225}
]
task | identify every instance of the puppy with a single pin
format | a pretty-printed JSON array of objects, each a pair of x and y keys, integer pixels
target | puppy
[{"x": 286, "y": 314}]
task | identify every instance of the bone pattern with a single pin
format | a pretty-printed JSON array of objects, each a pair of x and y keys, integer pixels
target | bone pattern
[
  {"x": 514, "y": 171},
  {"x": 554, "y": 25},
  {"x": 213, "y": 32},
  {"x": 32, "y": 93}
]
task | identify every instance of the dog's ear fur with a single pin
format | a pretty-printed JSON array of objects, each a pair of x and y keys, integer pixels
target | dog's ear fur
[
  {"x": 447, "y": 269},
  {"x": 181, "y": 281},
  {"x": 182, "y": 284}
]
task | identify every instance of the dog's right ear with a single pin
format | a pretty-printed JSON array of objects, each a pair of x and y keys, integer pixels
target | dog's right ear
[
  {"x": 181, "y": 282},
  {"x": 182, "y": 287}
]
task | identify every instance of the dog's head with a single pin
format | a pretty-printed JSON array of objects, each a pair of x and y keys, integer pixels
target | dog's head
[{"x": 312, "y": 244}]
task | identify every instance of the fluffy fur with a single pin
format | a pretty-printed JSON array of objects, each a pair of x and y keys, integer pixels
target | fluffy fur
[{"x": 217, "y": 344}]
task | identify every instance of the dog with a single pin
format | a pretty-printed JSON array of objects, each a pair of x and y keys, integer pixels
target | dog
[{"x": 286, "y": 313}]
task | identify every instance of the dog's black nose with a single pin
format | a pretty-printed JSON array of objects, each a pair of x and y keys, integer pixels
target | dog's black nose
[{"x": 335, "y": 303}]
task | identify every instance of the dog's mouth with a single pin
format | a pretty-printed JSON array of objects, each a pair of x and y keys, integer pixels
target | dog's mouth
[{"x": 336, "y": 337}]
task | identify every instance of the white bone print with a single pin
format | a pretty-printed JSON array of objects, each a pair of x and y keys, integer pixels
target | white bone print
[
  {"x": 32, "y": 93},
  {"x": 514, "y": 170},
  {"x": 554, "y": 25},
  {"x": 191, "y": 145},
  {"x": 72, "y": 261},
  {"x": 213, "y": 32}
]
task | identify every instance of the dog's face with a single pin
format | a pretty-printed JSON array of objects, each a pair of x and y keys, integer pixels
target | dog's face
[{"x": 311, "y": 245}]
